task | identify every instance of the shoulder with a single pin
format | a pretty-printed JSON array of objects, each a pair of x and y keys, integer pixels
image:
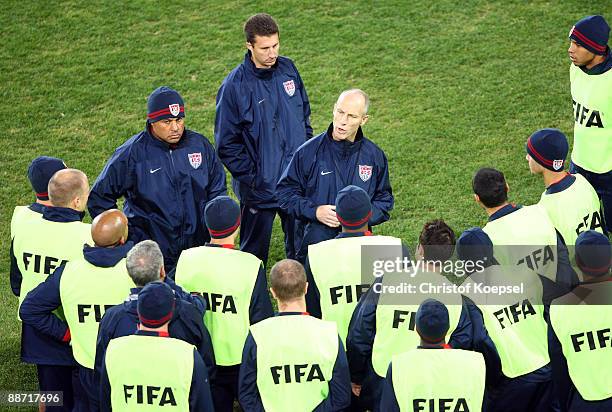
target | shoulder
[
  {"x": 372, "y": 147},
  {"x": 195, "y": 139},
  {"x": 311, "y": 145},
  {"x": 235, "y": 77},
  {"x": 134, "y": 143},
  {"x": 287, "y": 66}
]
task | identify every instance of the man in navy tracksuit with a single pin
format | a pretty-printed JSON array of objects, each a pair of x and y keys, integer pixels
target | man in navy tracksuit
[
  {"x": 321, "y": 167},
  {"x": 145, "y": 265},
  {"x": 262, "y": 117},
  {"x": 166, "y": 174}
]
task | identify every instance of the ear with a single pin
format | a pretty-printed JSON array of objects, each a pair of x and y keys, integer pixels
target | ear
[
  {"x": 273, "y": 294},
  {"x": 249, "y": 46},
  {"x": 476, "y": 198},
  {"x": 507, "y": 188},
  {"x": 306, "y": 288},
  {"x": 420, "y": 252},
  {"x": 364, "y": 119},
  {"x": 122, "y": 240},
  {"x": 162, "y": 273}
]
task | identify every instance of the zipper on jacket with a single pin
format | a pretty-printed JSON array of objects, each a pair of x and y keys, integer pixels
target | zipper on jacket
[{"x": 178, "y": 198}]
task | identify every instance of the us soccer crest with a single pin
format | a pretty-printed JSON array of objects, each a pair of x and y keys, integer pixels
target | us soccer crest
[
  {"x": 289, "y": 86},
  {"x": 175, "y": 109},
  {"x": 365, "y": 172},
  {"x": 557, "y": 164},
  {"x": 195, "y": 159}
]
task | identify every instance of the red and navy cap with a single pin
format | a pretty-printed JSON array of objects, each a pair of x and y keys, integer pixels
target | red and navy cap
[
  {"x": 164, "y": 103},
  {"x": 353, "y": 207},
  {"x": 41, "y": 170},
  {"x": 432, "y": 321},
  {"x": 593, "y": 253},
  {"x": 592, "y": 33},
  {"x": 549, "y": 148},
  {"x": 155, "y": 304},
  {"x": 222, "y": 217}
]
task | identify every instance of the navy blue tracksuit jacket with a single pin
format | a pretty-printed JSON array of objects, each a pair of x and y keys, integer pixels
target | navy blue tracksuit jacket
[
  {"x": 262, "y": 117},
  {"x": 165, "y": 187}
]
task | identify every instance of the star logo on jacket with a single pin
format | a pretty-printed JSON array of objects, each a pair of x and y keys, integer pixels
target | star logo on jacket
[
  {"x": 289, "y": 86},
  {"x": 557, "y": 164},
  {"x": 365, "y": 172},
  {"x": 175, "y": 109},
  {"x": 195, "y": 159}
]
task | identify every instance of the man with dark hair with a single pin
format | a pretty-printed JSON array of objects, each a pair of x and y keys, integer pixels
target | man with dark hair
[
  {"x": 591, "y": 83},
  {"x": 570, "y": 201},
  {"x": 39, "y": 247},
  {"x": 383, "y": 322},
  {"x": 293, "y": 362},
  {"x": 523, "y": 235},
  {"x": 262, "y": 117},
  {"x": 167, "y": 174},
  {"x": 580, "y": 340},
  {"x": 434, "y": 370},
  {"x": 339, "y": 157}
]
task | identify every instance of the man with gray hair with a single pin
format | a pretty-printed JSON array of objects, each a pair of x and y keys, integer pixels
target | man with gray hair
[
  {"x": 145, "y": 264},
  {"x": 324, "y": 165}
]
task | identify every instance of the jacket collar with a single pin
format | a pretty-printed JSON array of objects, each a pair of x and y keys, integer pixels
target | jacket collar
[
  {"x": 561, "y": 185},
  {"x": 291, "y": 313},
  {"x": 163, "y": 145},
  {"x": 259, "y": 73},
  {"x": 105, "y": 257},
  {"x": 343, "y": 235},
  {"x": 151, "y": 333},
  {"x": 37, "y": 207},
  {"x": 506, "y": 210},
  {"x": 601, "y": 67},
  {"x": 62, "y": 214},
  {"x": 344, "y": 146}
]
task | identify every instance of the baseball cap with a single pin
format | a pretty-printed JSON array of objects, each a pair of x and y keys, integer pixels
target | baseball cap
[
  {"x": 164, "y": 103},
  {"x": 432, "y": 320},
  {"x": 155, "y": 304},
  {"x": 222, "y": 216},
  {"x": 593, "y": 253},
  {"x": 40, "y": 171},
  {"x": 353, "y": 207}
]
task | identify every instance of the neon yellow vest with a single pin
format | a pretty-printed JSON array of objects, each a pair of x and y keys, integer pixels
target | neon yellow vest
[
  {"x": 86, "y": 292},
  {"x": 226, "y": 277},
  {"x": 574, "y": 210},
  {"x": 149, "y": 373},
  {"x": 515, "y": 323},
  {"x": 395, "y": 323},
  {"x": 439, "y": 379},
  {"x": 41, "y": 246},
  {"x": 22, "y": 214},
  {"x": 295, "y": 359},
  {"x": 592, "y": 103},
  {"x": 585, "y": 333},
  {"x": 336, "y": 268},
  {"x": 525, "y": 237}
]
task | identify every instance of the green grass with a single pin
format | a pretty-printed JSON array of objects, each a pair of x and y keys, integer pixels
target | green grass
[{"x": 454, "y": 86}]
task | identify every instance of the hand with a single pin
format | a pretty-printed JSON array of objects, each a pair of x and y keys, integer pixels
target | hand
[
  {"x": 356, "y": 389},
  {"x": 326, "y": 214}
]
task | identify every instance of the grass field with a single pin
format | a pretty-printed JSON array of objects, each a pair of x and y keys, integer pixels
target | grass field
[{"x": 454, "y": 86}]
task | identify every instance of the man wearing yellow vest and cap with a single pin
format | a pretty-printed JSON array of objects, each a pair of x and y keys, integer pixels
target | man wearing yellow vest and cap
[
  {"x": 434, "y": 377},
  {"x": 580, "y": 338},
  {"x": 150, "y": 370},
  {"x": 235, "y": 287},
  {"x": 40, "y": 246},
  {"x": 591, "y": 82},
  {"x": 40, "y": 172},
  {"x": 570, "y": 201},
  {"x": 519, "y": 376},
  {"x": 85, "y": 288},
  {"x": 293, "y": 362},
  {"x": 333, "y": 267},
  {"x": 523, "y": 235},
  {"x": 383, "y": 322}
]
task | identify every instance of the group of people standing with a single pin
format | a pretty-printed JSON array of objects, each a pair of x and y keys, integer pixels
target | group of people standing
[{"x": 335, "y": 342}]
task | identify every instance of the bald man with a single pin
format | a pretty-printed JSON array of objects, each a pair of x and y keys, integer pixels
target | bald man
[
  {"x": 39, "y": 247},
  {"x": 85, "y": 288},
  {"x": 327, "y": 163}
]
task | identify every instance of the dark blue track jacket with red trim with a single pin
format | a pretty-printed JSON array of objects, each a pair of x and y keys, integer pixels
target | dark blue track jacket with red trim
[
  {"x": 165, "y": 187},
  {"x": 262, "y": 117}
]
